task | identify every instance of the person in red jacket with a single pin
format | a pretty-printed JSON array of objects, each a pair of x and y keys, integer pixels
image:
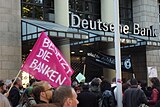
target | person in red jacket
[{"x": 155, "y": 96}]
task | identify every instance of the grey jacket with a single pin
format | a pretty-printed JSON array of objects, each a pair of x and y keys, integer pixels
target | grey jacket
[{"x": 133, "y": 97}]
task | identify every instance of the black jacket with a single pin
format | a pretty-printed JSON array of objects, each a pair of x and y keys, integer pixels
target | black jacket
[
  {"x": 157, "y": 104},
  {"x": 87, "y": 99},
  {"x": 14, "y": 96}
]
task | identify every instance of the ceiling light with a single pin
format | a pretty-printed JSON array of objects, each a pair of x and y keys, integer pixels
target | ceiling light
[
  {"x": 72, "y": 52},
  {"x": 80, "y": 51}
]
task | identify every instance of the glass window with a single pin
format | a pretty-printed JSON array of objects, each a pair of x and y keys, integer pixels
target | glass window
[
  {"x": 89, "y": 9},
  {"x": 38, "y": 9},
  {"x": 126, "y": 16}
]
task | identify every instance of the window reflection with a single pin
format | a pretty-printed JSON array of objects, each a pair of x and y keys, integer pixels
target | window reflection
[
  {"x": 89, "y": 9},
  {"x": 126, "y": 17},
  {"x": 39, "y": 1},
  {"x": 38, "y": 9}
]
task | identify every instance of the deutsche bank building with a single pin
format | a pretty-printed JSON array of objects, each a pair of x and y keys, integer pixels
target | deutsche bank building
[{"x": 83, "y": 30}]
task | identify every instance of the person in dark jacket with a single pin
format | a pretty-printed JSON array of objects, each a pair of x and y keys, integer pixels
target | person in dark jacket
[
  {"x": 14, "y": 94},
  {"x": 87, "y": 98},
  {"x": 95, "y": 87},
  {"x": 143, "y": 85},
  {"x": 134, "y": 96},
  {"x": 107, "y": 97}
]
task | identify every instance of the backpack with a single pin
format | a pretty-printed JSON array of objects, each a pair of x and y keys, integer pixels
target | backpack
[
  {"x": 26, "y": 101},
  {"x": 112, "y": 90},
  {"x": 107, "y": 99}
]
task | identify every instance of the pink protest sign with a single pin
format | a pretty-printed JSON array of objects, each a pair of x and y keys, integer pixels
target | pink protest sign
[{"x": 45, "y": 62}]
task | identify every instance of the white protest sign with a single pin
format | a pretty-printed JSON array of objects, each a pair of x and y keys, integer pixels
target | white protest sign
[
  {"x": 25, "y": 79},
  {"x": 80, "y": 77},
  {"x": 152, "y": 71}
]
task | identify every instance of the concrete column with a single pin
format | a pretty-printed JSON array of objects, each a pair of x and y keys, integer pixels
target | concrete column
[
  {"x": 62, "y": 18},
  {"x": 62, "y": 12},
  {"x": 10, "y": 42},
  {"x": 65, "y": 49},
  {"x": 109, "y": 73},
  {"x": 107, "y": 15},
  {"x": 107, "y": 11}
]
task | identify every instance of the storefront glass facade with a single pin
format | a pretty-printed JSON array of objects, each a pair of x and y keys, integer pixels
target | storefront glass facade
[
  {"x": 38, "y": 9},
  {"x": 126, "y": 13},
  {"x": 86, "y": 9}
]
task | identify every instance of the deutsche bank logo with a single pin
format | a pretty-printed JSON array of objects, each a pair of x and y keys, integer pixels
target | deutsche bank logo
[{"x": 127, "y": 63}]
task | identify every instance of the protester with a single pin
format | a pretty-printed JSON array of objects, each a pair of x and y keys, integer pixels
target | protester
[
  {"x": 113, "y": 82},
  {"x": 155, "y": 96},
  {"x": 125, "y": 86},
  {"x": 14, "y": 94},
  {"x": 114, "y": 90},
  {"x": 87, "y": 98},
  {"x": 4, "y": 101},
  {"x": 2, "y": 87},
  {"x": 95, "y": 87},
  {"x": 143, "y": 85},
  {"x": 134, "y": 96},
  {"x": 42, "y": 92},
  {"x": 27, "y": 98},
  {"x": 107, "y": 98},
  {"x": 8, "y": 83},
  {"x": 65, "y": 96},
  {"x": 32, "y": 81},
  {"x": 76, "y": 87},
  {"x": 45, "y": 105}
]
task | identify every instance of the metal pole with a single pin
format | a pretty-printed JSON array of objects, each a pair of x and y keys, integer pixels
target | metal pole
[
  {"x": 84, "y": 69},
  {"x": 117, "y": 53},
  {"x": 133, "y": 75}
]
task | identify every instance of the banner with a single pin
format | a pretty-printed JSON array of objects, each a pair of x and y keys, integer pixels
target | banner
[
  {"x": 45, "y": 62},
  {"x": 108, "y": 61}
]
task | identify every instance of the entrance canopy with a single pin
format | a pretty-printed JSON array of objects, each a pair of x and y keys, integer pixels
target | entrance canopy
[{"x": 31, "y": 29}]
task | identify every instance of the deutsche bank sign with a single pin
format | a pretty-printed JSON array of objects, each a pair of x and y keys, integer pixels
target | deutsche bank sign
[{"x": 101, "y": 26}]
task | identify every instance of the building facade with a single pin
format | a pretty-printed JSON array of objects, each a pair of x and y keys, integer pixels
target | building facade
[
  {"x": 10, "y": 38},
  {"x": 76, "y": 26}
]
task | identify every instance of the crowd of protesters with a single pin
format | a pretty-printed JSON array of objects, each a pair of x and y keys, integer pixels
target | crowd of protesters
[{"x": 97, "y": 93}]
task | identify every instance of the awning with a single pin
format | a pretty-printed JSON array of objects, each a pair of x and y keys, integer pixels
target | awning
[{"x": 31, "y": 29}]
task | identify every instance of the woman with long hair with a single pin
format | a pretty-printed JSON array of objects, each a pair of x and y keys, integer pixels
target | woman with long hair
[{"x": 155, "y": 96}]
